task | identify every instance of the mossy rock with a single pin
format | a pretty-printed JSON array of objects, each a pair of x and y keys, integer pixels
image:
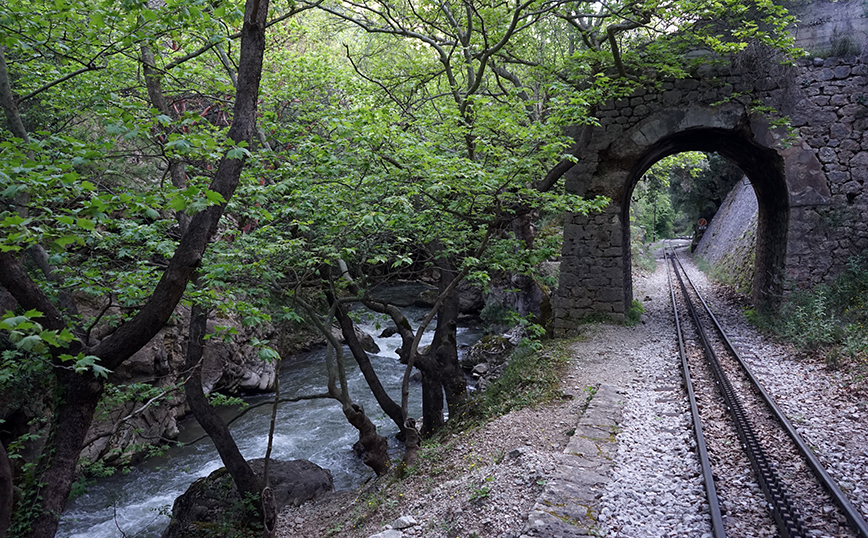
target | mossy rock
[{"x": 491, "y": 349}]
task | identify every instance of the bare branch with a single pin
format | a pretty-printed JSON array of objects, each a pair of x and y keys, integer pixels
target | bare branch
[
  {"x": 53, "y": 83},
  {"x": 295, "y": 399}
]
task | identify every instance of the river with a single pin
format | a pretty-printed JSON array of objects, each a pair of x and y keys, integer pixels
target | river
[{"x": 138, "y": 503}]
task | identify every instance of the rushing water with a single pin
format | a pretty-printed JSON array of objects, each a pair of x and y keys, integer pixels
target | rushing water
[{"x": 137, "y": 503}]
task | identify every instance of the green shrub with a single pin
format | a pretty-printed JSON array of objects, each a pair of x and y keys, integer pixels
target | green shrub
[
  {"x": 531, "y": 377},
  {"x": 831, "y": 317},
  {"x": 809, "y": 321},
  {"x": 634, "y": 314},
  {"x": 644, "y": 260}
]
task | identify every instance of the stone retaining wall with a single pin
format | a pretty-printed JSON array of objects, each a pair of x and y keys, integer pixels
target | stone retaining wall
[{"x": 832, "y": 119}]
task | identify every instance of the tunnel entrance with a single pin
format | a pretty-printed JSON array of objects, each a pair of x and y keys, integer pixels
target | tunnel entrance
[
  {"x": 809, "y": 178},
  {"x": 764, "y": 169},
  {"x": 596, "y": 261}
]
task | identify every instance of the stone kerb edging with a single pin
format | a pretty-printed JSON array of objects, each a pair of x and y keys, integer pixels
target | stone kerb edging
[{"x": 567, "y": 507}]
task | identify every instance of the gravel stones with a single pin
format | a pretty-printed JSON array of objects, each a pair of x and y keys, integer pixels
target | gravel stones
[{"x": 656, "y": 487}]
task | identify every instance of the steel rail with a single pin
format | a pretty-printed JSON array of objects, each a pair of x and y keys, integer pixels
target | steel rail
[
  {"x": 786, "y": 517},
  {"x": 854, "y": 517},
  {"x": 717, "y": 526}
]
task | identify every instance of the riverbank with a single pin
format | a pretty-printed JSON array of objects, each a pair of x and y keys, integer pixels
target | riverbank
[{"x": 487, "y": 480}]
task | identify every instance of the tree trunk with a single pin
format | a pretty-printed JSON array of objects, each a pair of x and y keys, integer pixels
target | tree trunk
[
  {"x": 452, "y": 375},
  {"x": 79, "y": 396},
  {"x": 432, "y": 396},
  {"x": 411, "y": 446},
  {"x": 245, "y": 479},
  {"x": 439, "y": 365},
  {"x": 374, "y": 446},
  {"x": 388, "y": 405},
  {"x": 81, "y": 393},
  {"x": 371, "y": 446},
  {"x": 9, "y": 103},
  {"x": 6, "y": 492}
]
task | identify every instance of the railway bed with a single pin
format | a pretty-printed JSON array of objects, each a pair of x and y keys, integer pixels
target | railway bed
[{"x": 759, "y": 474}]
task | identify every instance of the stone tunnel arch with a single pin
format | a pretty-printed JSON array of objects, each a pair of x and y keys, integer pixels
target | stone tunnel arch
[
  {"x": 596, "y": 265},
  {"x": 812, "y": 190},
  {"x": 764, "y": 168}
]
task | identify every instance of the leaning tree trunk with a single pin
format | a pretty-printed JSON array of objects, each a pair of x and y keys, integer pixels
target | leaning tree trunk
[
  {"x": 373, "y": 446},
  {"x": 78, "y": 398},
  {"x": 81, "y": 392},
  {"x": 387, "y": 404},
  {"x": 245, "y": 479}
]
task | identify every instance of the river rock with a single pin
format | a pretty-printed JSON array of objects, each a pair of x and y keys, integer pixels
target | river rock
[
  {"x": 366, "y": 340},
  {"x": 404, "y": 522},
  {"x": 470, "y": 298},
  {"x": 211, "y": 506},
  {"x": 389, "y": 331},
  {"x": 492, "y": 350},
  {"x": 121, "y": 435},
  {"x": 388, "y": 533}
]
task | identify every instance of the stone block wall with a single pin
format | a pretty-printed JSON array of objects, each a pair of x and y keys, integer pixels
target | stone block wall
[
  {"x": 831, "y": 116},
  {"x": 593, "y": 249},
  {"x": 810, "y": 179}
]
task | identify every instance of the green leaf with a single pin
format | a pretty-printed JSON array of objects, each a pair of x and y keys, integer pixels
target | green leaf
[
  {"x": 66, "y": 240},
  {"x": 87, "y": 224},
  {"x": 268, "y": 355},
  {"x": 100, "y": 371},
  {"x": 237, "y": 153},
  {"x": 178, "y": 203},
  {"x": 29, "y": 343},
  {"x": 50, "y": 338},
  {"x": 214, "y": 197}
]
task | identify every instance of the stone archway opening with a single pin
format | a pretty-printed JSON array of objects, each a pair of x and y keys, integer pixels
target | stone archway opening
[{"x": 763, "y": 167}]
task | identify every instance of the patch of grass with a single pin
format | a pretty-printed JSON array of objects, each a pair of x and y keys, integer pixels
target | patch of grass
[
  {"x": 480, "y": 492},
  {"x": 634, "y": 314},
  {"x": 702, "y": 264},
  {"x": 531, "y": 377},
  {"x": 643, "y": 258},
  {"x": 830, "y": 319}
]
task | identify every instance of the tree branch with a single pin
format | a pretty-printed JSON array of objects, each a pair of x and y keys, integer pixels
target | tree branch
[{"x": 64, "y": 78}]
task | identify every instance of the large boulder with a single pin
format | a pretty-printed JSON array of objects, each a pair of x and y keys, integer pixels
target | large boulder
[
  {"x": 470, "y": 298},
  {"x": 211, "y": 506},
  {"x": 366, "y": 340}
]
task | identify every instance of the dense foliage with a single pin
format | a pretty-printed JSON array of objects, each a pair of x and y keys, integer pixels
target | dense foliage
[{"x": 679, "y": 190}]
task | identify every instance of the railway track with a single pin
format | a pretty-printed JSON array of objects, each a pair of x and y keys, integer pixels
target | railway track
[{"x": 758, "y": 473}]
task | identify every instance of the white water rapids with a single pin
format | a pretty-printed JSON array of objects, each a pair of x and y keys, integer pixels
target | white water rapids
[{"x": 137, "y": 504}]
